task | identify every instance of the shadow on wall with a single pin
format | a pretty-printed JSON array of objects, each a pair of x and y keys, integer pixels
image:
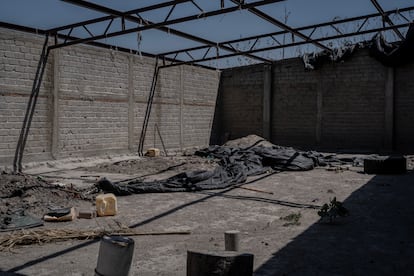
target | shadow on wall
[
  {"x": 376, "y": 239},
  {"x": 216, "y": 136}
]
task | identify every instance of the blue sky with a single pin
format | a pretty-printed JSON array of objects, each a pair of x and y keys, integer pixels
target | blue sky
[{"x": 45, "y": 14}]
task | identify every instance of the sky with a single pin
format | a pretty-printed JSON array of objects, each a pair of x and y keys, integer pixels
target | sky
[{"x": 46, "y": 14}]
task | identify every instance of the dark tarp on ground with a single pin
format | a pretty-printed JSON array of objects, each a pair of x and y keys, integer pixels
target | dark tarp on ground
[
  {"x": 235, "y": 165},
  {"x": 393, "y": 54},
  {"x": 17, "y": 220}
]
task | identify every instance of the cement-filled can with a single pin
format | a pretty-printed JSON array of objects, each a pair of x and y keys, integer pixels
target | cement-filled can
[{"x": 115, "y": 256}]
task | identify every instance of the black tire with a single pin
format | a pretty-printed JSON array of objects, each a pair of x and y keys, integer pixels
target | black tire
[{"x": 385, "y": 165}]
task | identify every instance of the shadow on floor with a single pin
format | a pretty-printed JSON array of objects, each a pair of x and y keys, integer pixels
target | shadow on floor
[
  {"x": 4, "y": 273},
  {"x": 135, "y": 225},
  {"x": 376, "y": 239}
]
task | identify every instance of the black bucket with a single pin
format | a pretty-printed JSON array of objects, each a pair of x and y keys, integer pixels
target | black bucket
[{"x": 115, "y": 256}]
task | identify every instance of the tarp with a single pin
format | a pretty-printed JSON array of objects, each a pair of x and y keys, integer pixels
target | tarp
[
  {"x": 315, "y": 60},
  {"x": 17, "y": 220},
  {"x": 235, "y": 165},
  {"x": 396, "y": 54}
]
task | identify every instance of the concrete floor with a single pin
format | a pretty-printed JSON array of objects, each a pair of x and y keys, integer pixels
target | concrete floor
[{"x": 376, "y": 239}]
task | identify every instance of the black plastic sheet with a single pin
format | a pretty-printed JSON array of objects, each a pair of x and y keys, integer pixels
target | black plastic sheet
[
  {"x": 395, "y": 54},
  {"x": 235, "y": 165}
]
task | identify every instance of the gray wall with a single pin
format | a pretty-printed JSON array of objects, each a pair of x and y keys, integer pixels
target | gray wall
[
  {"x": 355, "y": 105},
  {"x": 92, "y": 101}
]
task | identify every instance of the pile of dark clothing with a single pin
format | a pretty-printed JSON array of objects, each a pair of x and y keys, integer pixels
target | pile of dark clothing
[{"x": 235, "y": 165}]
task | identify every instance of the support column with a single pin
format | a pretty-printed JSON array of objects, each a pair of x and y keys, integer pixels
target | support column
[
  {"x": 181, "y": 107},
  {"x": 55, "y": 104},
  {"x": 389, "y": 110},
  {"x": 267, "y": 100},
  {"x": 319, "y": 101},
  {"x": 131, "y": 103}
]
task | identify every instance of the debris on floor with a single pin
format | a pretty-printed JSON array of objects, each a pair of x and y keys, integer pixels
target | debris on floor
[
  {"x": 35, "y": 195},
  {"x": 234, "y": 165},
  {"x": 18, "y": 220},
  {"x": 63, "y": 214}
]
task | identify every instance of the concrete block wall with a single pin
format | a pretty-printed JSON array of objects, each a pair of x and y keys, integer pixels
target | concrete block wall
[
  {"x": 198, "y": 105},
  {"x": 356, "y": 105},
  {"x": 19, "y": 57},
  {"x": 294, "y": 105},
  {"x": 92, "y": 101},
  {"x": 241, "y": 102},
  {"x": 404, "y": 107},
  {"x": 339, "y": 106}
]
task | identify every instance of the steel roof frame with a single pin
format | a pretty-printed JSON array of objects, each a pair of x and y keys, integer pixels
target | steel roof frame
[
  {"x": 309, "y": 39},
  {"x": 385, "y": 18},
  {"x": 143, "y": 24},
  {"x": 146, "y": 24},
  {"x": 283, "y": 26},
  {"x": 292, "y": 44}
]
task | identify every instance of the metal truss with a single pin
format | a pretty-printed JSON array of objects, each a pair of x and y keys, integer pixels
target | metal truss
[
  {"x": 143, "y": 24},
  {"x": 283, "y": 26},
  {"x": 386, "y": 18},
  {"x": 360, "y": 26},
  {"x": 117, "y": 23}
]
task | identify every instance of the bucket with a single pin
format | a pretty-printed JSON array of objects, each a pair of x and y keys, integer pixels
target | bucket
[{"x": 115, "y": 256}]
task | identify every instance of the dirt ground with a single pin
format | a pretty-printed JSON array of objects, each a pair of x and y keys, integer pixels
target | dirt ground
[{"x": 375, "y": 239}]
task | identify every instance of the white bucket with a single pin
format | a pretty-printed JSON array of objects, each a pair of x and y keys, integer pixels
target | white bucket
[{"x": 115, "y": 256}]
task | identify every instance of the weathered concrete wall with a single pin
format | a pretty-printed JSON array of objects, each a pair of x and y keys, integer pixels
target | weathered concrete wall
[
  {"x": 92, "y": 101},
  {"x": 355, "y": 105},
  {"x": 241, "y": 101},
  {"x": 19, "y": 56},
  {"x": 404, "y": 107}
]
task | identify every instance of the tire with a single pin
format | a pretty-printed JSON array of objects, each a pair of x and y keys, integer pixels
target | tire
[{"x": 385, "y": 165}]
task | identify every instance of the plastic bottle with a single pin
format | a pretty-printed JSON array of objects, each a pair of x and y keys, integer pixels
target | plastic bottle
[{"x": 106, "y": 205}]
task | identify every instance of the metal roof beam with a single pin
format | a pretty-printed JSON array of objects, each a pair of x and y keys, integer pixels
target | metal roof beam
[
  {"x": 113, "y": 13},
  {"x": 283, "y": 26},
  {"x": 93, "y": 43},
  {"x": 293, "y": 44},
  {"x": 387, "y": 19},
  {"x": 314, "y": 27},
  {"x": 162, "y": 25}
]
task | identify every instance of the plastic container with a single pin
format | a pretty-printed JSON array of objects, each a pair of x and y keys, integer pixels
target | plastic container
[
  {"x": 115, "y": 256},
  {"x": 106, "y": 205}
]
